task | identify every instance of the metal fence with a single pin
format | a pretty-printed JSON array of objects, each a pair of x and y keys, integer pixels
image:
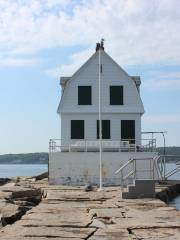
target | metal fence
[{"x": 124, "y": 145}]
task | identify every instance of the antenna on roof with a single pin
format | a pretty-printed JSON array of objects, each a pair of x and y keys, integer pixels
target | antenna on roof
[{"x": 100, "y": 45}]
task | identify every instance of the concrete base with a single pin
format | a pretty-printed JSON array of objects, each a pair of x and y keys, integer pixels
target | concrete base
[
  {"x": 81, "y": 168},
  {"x": 141, "y": 189}
]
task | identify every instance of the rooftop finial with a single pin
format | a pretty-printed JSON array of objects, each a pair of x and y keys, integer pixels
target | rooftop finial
[{"x": 100, "y": 45}]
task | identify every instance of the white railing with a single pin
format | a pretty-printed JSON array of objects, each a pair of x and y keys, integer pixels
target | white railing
[{"x": 124, "y": 145}]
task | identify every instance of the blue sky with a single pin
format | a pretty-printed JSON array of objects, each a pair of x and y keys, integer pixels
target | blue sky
[{"x": 40, "y": 40}]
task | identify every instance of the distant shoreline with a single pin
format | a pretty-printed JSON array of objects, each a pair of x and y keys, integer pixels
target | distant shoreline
[
  {"x": 43, "y": 157},
  {"x": 9, "y": 163},
  {"x": 25, "y": 158}
]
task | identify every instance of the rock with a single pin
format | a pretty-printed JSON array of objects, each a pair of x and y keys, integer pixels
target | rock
[
  {"x": 18, "y": 193},
  {"x": 111, "y": 234},
  {"x": 24, "y": 203},
  {"x": 107, "y": 212},
  {"x": 88, "y": 188},
  {"x": 157, "y": 233},
  {"x": 50, "y": 232},
  {"x": 98, "y": 224},
  {"x": 41, "y": 176},
  {"x": 11, "y": 213},
  {"x": 16, "y": 200},
  {"x": 4, "y": 181},
  {"x": 68, "y": 212}
]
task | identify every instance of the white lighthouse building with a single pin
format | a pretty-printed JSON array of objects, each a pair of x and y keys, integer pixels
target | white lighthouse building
[{"x": 74, "y": 157}]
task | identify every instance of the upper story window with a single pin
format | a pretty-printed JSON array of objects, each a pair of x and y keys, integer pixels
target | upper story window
[
  {"x": 84, "y": 95},
  {"x": 116, "y": 95}
]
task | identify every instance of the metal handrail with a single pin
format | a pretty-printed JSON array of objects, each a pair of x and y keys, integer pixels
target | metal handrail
[
  {"x": 163, "y": 163},
  {"x": 172, "y": 172},
  {"x": 134, "y": 170},
  {"x": 122, "y": 167},
  {"x": 128, "y": 175}
]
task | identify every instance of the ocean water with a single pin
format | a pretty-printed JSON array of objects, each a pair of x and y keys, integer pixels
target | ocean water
[
  {"x": 15, "y": 170},
  {"x": 176, "y": 201}
]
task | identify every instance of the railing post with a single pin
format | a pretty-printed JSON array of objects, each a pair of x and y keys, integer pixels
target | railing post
[
  {"x": 164, "y": 162},
  {"x": 122, "y": 180},
  {"x": 153, "y": 168}
]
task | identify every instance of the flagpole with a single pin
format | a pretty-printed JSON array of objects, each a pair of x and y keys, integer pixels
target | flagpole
[{"x": 100, "y": 126}]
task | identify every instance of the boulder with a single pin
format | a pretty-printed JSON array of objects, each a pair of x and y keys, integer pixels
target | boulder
[
  {"x": 41, "y": 176},
  {"x": 11, "y": 213},
  {"x": 4, "y": 181}
]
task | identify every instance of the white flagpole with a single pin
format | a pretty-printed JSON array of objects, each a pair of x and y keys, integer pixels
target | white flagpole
[{"x": 100, "y": 125}]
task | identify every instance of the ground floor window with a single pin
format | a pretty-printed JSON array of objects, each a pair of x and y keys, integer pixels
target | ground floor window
[
  {"x": 105, "y": 129},
  {"x": 128, "y": 130},
  {"x": 77, "y": 129}
]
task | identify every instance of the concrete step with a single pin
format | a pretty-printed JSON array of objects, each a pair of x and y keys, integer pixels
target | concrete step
[{"x": 143, "y": 188}]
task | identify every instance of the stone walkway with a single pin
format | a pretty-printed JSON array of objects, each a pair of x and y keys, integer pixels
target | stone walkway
[{"x": 70, "y": 213}]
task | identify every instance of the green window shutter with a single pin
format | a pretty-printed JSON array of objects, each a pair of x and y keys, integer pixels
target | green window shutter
[
  {"x": 77, "y": 129},
  {"x": 116, "y": 95},
  {"x": 106, "y": 132},
  {"x": 128, "y": 130},
  {"x": 84, "y": 95}
]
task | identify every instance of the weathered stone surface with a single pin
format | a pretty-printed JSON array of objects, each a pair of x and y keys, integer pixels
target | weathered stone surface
[
  {"x": 15, "y": 201},
  {"x": 9, "y": 209},
  {"x": 111, "y": 234},
  {"x": 58, "y": 232},
  {"x": 63, "y": 217},
  {"x": 4, "y": 181},
  {"x": 67, "y": 212},
  {"x": 37, "y": 238},
  {"x": 107, "y": 212},
  {"x": 98, "y": 224},
  {"x": 41, "y": 176},
  {"x": 5, "y": 195},
  {"x": 10, "y": 213},
  {"x": 158, "y": 233}
]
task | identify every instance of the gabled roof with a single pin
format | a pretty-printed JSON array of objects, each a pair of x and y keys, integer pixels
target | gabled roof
[{"x": 64, "y": 81}]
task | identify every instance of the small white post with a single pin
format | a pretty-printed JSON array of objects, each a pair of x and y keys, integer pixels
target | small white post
[{"x": 100, "y": 126}]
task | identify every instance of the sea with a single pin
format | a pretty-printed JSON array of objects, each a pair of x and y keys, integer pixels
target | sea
[
  {"x": 176, "y": 201},
  {"x": 15, "y": 170}
]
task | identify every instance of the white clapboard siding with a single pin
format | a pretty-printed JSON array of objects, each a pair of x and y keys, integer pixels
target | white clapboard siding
[
  {"x": 90, "y": 120},
  {"x": 112, "y": 75}
]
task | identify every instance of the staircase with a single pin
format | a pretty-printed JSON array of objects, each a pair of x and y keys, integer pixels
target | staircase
[
  {"x": 134, "y": 186},
  {"x": 139, "y": 188}
]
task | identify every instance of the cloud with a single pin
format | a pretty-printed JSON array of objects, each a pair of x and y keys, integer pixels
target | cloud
[
  {"x": 19, "y": 62},
  {"x": 163, "y": 119},
  {"x": 136, "y": 32},
  {"x": 163, "y": 81},
  {"x": 76, "y": 60}
]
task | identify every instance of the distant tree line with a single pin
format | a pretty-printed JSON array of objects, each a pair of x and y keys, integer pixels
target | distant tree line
[
  {"x": 169, "y": 150},
  {"x": 24, "y": 158}
]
